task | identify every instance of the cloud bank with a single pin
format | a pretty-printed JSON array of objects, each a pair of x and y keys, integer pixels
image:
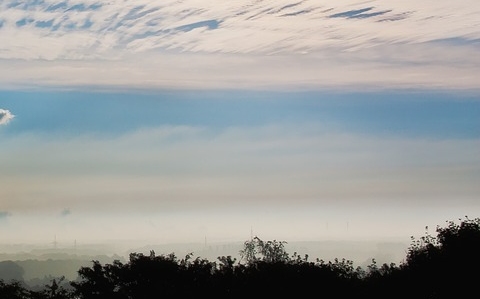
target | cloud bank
[
  {"x": 177, "y": 183},
  {"x": 247, "y": 43},
  {"x": 5, "y": 116},
  {"x": 173, "y": 168}
]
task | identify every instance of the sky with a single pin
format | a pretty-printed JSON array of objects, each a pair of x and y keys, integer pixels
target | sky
[{"x": 185, "y": 120}]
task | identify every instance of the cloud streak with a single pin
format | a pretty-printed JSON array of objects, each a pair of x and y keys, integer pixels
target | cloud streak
[
  {"x": 309, "y": 42},
  {"x": 174, "y": 168},
  {"x": 266, "y": 26},
  {"x": 5, "y": 116},
  {"x": 282, "y": 179}
]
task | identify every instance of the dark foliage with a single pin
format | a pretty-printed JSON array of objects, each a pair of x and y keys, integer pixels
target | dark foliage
[
  {"x": 444, "y": 266},
  {"x": 12, "y": 290}
]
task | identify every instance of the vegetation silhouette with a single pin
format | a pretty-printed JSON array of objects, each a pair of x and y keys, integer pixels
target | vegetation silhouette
[{"x": 442, "y": 266}]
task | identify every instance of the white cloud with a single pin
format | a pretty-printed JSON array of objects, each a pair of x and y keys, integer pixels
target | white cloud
[
  {"x": 390, "y": 66},
  {"x": 5, "y": 116},
  {"x": 266, "y": 26},
  {"x": 310, "y": 43}
]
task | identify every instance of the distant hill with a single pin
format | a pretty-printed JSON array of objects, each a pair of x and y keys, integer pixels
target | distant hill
[{"x": 39, "y": 266}]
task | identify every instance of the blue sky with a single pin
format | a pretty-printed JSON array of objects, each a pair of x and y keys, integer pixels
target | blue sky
[
  {"x": 172, "y": 122},
  {"x": 421, "y": 113}
]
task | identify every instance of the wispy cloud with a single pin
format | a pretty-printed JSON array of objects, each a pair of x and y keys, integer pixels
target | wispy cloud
[
  {"x": 5, "y": 116},
  {"x": 313, "y": 43},
  {"x": 83, "y": 29},
  {"x": 173, "y": 168}
]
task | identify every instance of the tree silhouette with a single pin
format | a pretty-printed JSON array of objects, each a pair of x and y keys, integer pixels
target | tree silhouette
[
  {"x": 448, "y": 264},
  {"x": 54, "y": 290},
  {"x": 13, "y": 290},
  {"x": 442, "y": 266},
  {"x": 270, "y": 251}
]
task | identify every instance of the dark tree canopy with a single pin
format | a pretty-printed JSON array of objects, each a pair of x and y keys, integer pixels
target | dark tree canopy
[{"x": 442, "y": 266}]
